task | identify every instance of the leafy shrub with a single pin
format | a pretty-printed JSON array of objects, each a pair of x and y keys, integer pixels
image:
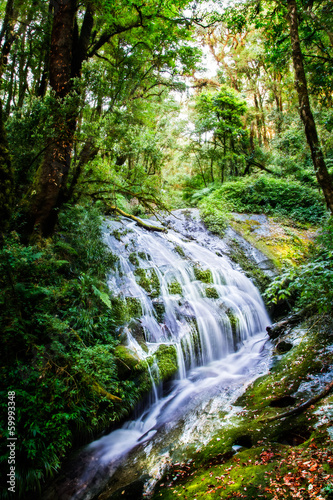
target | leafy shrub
[
  {"x": 271, "y": 196},
  {"x": 213, "y": 215}
]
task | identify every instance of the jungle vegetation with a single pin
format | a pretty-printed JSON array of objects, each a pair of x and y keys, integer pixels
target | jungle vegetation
[{"x": 105, "y": 106}]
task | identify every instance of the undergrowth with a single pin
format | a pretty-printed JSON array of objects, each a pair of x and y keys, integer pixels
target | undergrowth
[
  {"x": 264, "y": 194},
  {"x": 309, "y": 284},
  {"x": 59, "y": 333}
]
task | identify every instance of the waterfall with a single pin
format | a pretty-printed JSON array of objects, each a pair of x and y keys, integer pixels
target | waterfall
[
  {"x": 192, "y": 297},
  {"x": 209, "y": 307}
]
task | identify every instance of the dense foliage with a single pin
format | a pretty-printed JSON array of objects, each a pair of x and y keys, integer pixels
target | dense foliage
[{"x": 59, "y": 333}]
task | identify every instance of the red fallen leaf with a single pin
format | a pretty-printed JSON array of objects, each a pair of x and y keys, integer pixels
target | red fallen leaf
[{"x": 314, "y": 467}]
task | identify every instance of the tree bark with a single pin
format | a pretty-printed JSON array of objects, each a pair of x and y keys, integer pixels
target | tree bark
[
  {"x": 52, "y": 174},
  {"x": 321, "y": 171},
  {"x": 6, "y": 170},
  {"x": 6, "y": 179}
]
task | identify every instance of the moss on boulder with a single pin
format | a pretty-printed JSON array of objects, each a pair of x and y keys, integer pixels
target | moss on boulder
[
  {"x": 175, "y": 288},
  {"x": 211, "y": 293},
  {"x": 204, "y": 275},
  {"x": 166, "y": 356}
]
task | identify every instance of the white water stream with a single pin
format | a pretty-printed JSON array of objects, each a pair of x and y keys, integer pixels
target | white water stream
[{"x": 220, "y": 344}]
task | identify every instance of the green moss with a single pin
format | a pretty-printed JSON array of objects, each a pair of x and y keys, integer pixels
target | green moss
[
  {"x": 127, "y": 359},
  {"x": 160, "y": 310},
  {"x": 133, "y": 259},
  {"x": 133, "y": 307},
  {"x": 155, "y": 284},
  {"x": 143, "y": 256},
  {"x": 119, "y": 233},
  {"x": 148, "y": 280},
  {"x": 166, "y": 356},
  {"x": 234, "y": 320},
  {"x": 143, "y": 280},
  {"x": 204, "y": 275},
  {"x": 212, "y": 293},
  {"x": 119, "y": 307},
  {"x": 175, "y": 288},
  {"x": 251, "y": 269},
  {"x": 179, "y": 250},
  {"x": 270, "y": 449}
]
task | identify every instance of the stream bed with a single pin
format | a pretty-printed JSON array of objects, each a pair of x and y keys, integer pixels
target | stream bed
[{"x": 192, "y": 297}]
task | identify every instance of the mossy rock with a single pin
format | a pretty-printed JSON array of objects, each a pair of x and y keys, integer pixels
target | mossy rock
[
  {"x": 204, "y": 275},
  {"x": 148, "y": 280},
  {"x": 134, "y": 307},
  {"x": 252, "y": 270},
  {"x": 175, "y": 288},
  {"x": 137, "y": 331},
  {"x": 133, "y": 259},
  {"x": 234, "y": 320},
  {"x": 179, "y": 250},
  {"x": 166, "y": 357},
  {"x": 126, "y": 360},
  {"x": 120, "y": 310},
  {"x": 159, "y": 309},
  {"x": 143, "y": 280},
  {"x": 211, "y": 293}
]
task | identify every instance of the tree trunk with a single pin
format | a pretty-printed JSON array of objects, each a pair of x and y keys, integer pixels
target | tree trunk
[
  {"x": 52, "y": 174},
  {"x": 6, "y": 179},
  {"x": 322, "y": 174},
  {"x": 6, "y": 170}
]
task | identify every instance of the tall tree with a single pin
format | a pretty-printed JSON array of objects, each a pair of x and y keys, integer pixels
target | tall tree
[
  {"x": 80, "y": 33},
  {"x": 321, "y": 171},
  {"x": 6, "y": 171}
]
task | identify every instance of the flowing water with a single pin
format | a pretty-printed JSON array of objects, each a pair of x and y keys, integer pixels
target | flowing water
[{"x": 195, "y": 299}]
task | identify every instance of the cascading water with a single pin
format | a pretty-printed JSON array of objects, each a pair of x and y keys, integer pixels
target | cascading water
[{"x": 193, "y": 298}]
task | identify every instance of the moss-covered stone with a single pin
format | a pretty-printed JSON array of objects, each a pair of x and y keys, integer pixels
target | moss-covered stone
[
  {"x": 212, "y": 293},
  {"x": 179, "y": 250},
  {"x": 120, "y": 310},
  {"x": 143, "y": 279},
  {"x": 148, "y": 280},
  {"x": 159, "y": 309},
  {"x": 204, "y": 275},
  {"x": 126, "y": 360},
  {"x": 175, "y": 288},
  {"x": 133, "y": 259},
  {"x": 134, "y": 307},
  {"x": 250, "y": 268},
  {"x": 234, "y": 320},
  {"x": 166, "y": 357}
]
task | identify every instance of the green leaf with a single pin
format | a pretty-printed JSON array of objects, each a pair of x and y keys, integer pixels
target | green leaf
[{"x": 103, "y": 296}]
